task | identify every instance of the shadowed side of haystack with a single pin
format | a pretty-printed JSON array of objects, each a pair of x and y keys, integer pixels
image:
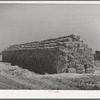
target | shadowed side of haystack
[
  {"x": 64, "y": 54},
  {"x": 37, "y": 60}
]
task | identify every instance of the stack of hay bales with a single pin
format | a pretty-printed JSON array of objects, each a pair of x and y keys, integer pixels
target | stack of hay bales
[{"x": 58, "y": 55}]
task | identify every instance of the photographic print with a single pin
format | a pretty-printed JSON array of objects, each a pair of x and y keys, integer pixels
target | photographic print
[{"x": 49, "y": 46}]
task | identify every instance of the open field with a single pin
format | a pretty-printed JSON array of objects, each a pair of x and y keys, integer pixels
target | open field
[{"x": 13, "y": 77}]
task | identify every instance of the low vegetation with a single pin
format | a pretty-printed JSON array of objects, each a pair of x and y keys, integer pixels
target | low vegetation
[{"x": 18, "y": 78}]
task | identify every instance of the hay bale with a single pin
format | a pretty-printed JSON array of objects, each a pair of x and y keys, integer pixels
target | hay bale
[
  {"x": 90, "y": 70},
  {"x": 71, "y": 70},
  {"x": 80, "y": 68}
]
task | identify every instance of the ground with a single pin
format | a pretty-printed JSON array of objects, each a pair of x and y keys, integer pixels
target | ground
[{"x": 13, "y": 77}]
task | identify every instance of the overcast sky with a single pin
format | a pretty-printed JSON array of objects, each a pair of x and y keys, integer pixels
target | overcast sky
[{"x": 27, "y": 23}]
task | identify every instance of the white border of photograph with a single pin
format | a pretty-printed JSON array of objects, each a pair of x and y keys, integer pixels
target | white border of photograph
[{"x": 51, "y": 94}]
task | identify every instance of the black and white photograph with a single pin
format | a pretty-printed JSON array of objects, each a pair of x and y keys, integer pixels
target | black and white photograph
[{"x": 49, "y": 46}]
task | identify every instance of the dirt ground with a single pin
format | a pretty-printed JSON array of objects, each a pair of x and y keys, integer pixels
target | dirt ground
[{"x": 13, "y": 77}]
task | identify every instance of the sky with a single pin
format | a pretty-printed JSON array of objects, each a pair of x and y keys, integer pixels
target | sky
[{"x": 22, "y": 23}]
